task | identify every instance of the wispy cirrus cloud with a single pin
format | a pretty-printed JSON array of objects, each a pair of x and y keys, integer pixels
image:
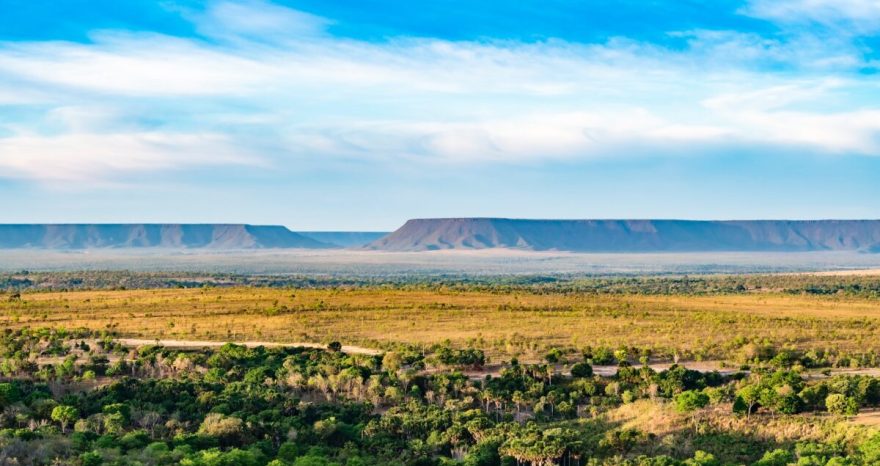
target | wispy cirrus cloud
[
  {"x": 850, "y": 16},
  {"x": 268, "y": 86},
  {"x": 86, "y": 157}
]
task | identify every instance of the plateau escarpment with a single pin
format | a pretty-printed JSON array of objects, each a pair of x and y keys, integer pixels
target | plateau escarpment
[
  {"x": 97, "y": 236},
  {"x": 634, "y": 235}
]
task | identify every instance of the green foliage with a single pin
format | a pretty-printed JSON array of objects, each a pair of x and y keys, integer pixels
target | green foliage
[
  {"x": 702, "y": 458},
  {"x": 842, "y": 405},
  {"x": 9, "y": 393},
  {"x": 582, "y": 370},
  {"x": 870, "y": 449},
  {"x": 334, "y": 346},
  {"x": 64, "y": 415},
  {"x": 299, "y": 406},
  {"x": 690, "y": 401},
  {"x": 776, "y": 457},
  {"x": 461, "y": 358}
]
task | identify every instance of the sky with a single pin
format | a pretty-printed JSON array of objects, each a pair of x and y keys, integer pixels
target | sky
[{"x": 358, "y": 115}]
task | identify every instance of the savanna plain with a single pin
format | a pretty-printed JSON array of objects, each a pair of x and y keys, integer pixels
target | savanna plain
[{"x": 215, "y": 369}]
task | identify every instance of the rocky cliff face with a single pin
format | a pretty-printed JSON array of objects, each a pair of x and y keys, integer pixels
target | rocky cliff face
[{"x": 633, "y": 235}]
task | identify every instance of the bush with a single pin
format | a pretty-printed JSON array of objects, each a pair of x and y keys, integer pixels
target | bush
[
  {"x": 554, "y": 356},
  {"x": 314, "y": 461},
  {"x": 9, "y": 394},
  {"x": 288, "y": 451},
  {"x": 776, "y": 457},
  {"x": 581, "y": 370},
  {"x": 227, "y": 429},
  {"x": 701, "y": 458},
  {"x": 690, "y": 401},
  {"x": 91, "y": 459},
  {"x": 841, "y": 405},
  {"x": 870, "y": 450},
  {"x": 134, "y": 440},
  {"x": 602, "y": 357}
]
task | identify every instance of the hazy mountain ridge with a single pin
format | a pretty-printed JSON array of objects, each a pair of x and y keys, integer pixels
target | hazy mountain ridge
[
  {"x": 172, "y": 236},
  {"x": 634, "y": 235}
]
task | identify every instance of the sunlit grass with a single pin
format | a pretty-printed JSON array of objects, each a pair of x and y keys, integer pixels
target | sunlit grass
[{"x": 512, "y": 323}]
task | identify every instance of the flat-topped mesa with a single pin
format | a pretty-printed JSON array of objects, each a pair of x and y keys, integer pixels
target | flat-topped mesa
[
  {"x": 173, "y": 236},
  {"x": 634, "y": 235}
]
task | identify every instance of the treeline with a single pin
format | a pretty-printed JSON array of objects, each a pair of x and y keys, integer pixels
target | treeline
[{"x": 854, "y": 285}]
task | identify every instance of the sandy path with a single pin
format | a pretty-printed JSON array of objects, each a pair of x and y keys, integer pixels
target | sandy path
[{"x": 250, "y": 344}]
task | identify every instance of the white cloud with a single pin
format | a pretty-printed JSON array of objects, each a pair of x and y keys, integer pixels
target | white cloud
[
  {"x": 83, "y": 158},
  {"x": 768, "y": 116},
  {"x": 256, "y": 20},
  {"x": 852, "y": 16},
  {"x": 125, "y": 64},
  {"x": 505, "y": 139},
  {"x": 270, "y": 77}
]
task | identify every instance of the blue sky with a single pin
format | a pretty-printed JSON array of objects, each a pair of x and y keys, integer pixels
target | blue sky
[{"x": 320, "y": 114}]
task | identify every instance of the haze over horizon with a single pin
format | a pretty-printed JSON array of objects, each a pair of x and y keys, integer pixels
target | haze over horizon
[{"x": 359, "y": 116}]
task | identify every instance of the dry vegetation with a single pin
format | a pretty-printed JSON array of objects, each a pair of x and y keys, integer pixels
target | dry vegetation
[{"x": 520, "y": 322}]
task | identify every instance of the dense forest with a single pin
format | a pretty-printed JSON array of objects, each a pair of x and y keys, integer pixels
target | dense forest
[{"x": 81, "y": 398}]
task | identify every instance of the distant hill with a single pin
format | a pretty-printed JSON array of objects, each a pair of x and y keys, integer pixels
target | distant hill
[
  {"x": 211, "y": 236},
  {"x": 345, "y": 239},
  {"x": 633, "y": 235}
]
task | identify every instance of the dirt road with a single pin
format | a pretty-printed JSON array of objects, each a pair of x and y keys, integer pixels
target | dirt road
[{"x": 251, "y": 344}]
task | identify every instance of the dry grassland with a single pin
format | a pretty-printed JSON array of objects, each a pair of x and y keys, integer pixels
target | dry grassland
[{"x": 513, "y": 323}]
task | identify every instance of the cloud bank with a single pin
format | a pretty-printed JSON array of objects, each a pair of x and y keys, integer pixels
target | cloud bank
[{"x": 265, "y": 86}]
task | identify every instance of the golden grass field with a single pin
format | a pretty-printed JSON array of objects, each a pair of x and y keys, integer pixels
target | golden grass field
[{"x": 514, "y": 323}]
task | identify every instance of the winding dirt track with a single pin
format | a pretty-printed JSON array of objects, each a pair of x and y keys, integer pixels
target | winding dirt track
[{"x": 251, "y": 344}]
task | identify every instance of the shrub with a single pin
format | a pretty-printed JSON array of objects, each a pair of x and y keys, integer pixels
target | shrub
[
  {"x": 603, "y": 357},
  {"x": 8, "y": 394},
  {"x": 690, "y": 400},
  {"x": 701, "y": 458},
  {"x": 776, "y": 457},
  {"x": 226, "y": 429},
  {"x": 581, "y": 370},
  {"x": 841, "y": 405},
  {"x": 870, "y": 450},
  {"x": 91, "y": 459}
]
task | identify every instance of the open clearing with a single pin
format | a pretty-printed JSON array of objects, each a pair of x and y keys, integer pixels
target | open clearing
[{"x": 701, "y": 327}]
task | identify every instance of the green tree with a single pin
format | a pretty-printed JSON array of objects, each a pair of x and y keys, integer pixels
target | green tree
[
  {"x": 870, "y": 450},
  {"x": 9, "y": 394},
  {"x": 64, "y": 415},
  {"x": 776, "y": 457},
  {"x": 841, "y": 405},
  {"x": 750, "y": 396},
  {"x": 581, "y": 370},
  {"x": 701, "y": 458},
  {"x": 690, "y": 401},
  {"x": 392, "y": 361},
  {"x": 227, "y": 429}
]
